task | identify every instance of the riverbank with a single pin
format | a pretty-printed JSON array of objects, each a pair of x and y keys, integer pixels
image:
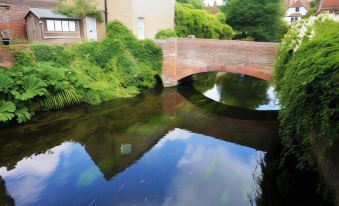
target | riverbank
[
  {"x": 306, "y": 78},
  {"x": 51, "y": 77}
]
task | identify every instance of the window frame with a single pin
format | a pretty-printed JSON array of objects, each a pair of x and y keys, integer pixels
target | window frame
[{"x": 56, "y": 25}]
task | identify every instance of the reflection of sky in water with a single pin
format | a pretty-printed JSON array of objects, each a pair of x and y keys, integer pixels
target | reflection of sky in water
[
  {"x": 272, "y": 104},
  {"x": 183, "y": 168}
]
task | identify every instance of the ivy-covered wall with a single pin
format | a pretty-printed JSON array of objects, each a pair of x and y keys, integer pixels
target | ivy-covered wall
[{"x": 306, "y": 76}]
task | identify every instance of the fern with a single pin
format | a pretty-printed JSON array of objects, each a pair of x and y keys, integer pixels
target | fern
[
  {"x": 7, "y": 110},
  {"x": 59, "y": 100},
  {"x": 32, "y": 87},
  {"x": 22, "y": 115}
]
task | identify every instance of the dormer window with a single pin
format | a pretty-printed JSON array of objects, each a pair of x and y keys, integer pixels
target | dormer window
[{"x": 297, "y": 9}]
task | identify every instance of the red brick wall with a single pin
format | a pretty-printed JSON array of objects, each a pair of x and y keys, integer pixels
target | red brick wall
[
  {"x": 184, "y": 57},
  {"x": 13, "y": 21}
]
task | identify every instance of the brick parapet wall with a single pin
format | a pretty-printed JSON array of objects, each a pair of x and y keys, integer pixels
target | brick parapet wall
[
  {"x": 13, "y": 21},
  {"x": 7, "y": 54},
  {"x": 184, "y": 57}
]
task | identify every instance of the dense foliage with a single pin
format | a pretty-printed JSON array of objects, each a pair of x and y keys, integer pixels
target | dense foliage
[
  {"x": 52, "y": 77},
  {"x": 306, "y": 75},
  {"x": 197, "y": 4},
  {"x": 190, "y": 21},
  {"x": 165, "y": 34},
  {"x": 81, "y": 8},
  {"x": 261, "y": 19}
]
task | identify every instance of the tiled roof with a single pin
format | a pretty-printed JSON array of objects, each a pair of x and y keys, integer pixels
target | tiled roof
[
  {"x": 300, "y": 3},
  {"x": 297, "y": 3},
  {"x": 49, "y": 14},
  {"x": 295, "y": 15},
  {"x": 328, "y": 4}
]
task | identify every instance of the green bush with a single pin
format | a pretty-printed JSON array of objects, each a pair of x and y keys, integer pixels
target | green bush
[
  {"x": 53, "y": 77},
  {"x": 190, "y": 21},
  {"x": 197, "y": 4},
  {"x": 81, "y": 8},
  {"x": 261, "y": 19},
  {"x": 165, "y": 34},
  {"x": 306, "y": 75}
]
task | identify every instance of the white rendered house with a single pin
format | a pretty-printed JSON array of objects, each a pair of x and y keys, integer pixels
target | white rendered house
[{"x": 295, "y": 9}]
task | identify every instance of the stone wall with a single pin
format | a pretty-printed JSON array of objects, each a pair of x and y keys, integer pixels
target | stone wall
[{"x": 184, "y": 57}]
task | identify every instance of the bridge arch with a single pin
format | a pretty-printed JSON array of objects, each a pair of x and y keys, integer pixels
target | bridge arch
[{"x": 185, "y": 57}]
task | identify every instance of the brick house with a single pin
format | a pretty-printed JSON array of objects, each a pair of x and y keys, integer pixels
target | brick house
[
  {"x": 328, "y": 6},
  {"x": 12, "y": 16},
  {"x": 213, "y": 9}
]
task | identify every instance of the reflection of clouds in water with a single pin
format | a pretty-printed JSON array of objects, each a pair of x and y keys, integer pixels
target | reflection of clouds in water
[
  {"x": 176, "y": 134},
  {"x": 212, "y": 175},
  {"x": 213, "y": 93},
  {"x": 28, "y": 178},
  {"x": 273, "y": 103}
]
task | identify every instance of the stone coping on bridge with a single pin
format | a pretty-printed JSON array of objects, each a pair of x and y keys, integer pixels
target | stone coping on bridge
[{"x": 184, "y": 57}]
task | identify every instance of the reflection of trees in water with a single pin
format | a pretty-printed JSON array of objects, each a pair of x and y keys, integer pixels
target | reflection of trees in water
[
  {"x": 234, "y": 89},
  {"x": 205, "y": 81},
  {"x": 284, "y": 184},
  {"x": 5, "y": 198}
]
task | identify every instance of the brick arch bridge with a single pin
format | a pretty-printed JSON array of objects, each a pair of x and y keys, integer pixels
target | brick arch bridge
[{"x": 184, "y": 57}]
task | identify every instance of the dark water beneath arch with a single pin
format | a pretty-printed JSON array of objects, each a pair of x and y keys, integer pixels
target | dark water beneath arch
[{"x": 169, "y": 147}]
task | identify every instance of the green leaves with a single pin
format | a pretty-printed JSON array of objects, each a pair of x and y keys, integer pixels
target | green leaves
[
  {"x": 7, "y": 110},
  {"x": 23, "y": 115},
  {"x": 30, "y": 88},
  {"x": 59, "y": 100},
  {"x": 53, "y": 76},
  {"x": 5, "y": 83},
  {"x": 308, "y": 85},
  {"x": 190, "y": 21},
  {"x": 262, "y": 20}
]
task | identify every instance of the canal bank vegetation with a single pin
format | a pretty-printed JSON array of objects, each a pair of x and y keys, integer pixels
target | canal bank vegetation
[
  {"x": 48, "y": 77},
  {"x": 306, "y": 77},
  {"x": 166, "y": 34},
  {"x": 191, "y": 21}
]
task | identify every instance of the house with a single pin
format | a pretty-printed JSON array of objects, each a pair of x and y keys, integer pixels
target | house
[
  {"x": 295, "y": 9},
  {"x": 213, "y": 9},
  {"x": 45, "y": 25},
  {"x": 328, "y": 7},
  {"x": 12, "y": 15},
  {"x": 143, "y": 17}
]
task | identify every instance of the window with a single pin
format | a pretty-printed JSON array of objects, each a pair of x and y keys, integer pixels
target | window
[
  {"x": 297, "y": 9},
  {"x": 65, "y": 26},
  {"x": 141, "y": 28},
  {"x": 57, "y": 25},
  {"x": 294, "y": 19},
  {"x": 71, "y": 26},
  {"x": 50, "y": 25}
]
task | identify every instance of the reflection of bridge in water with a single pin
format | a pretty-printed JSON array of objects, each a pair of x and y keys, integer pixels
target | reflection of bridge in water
[{"x": 140, "y": 122}]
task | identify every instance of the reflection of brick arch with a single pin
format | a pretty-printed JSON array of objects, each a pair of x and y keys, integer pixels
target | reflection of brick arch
[{"x": 184, "y": 57}]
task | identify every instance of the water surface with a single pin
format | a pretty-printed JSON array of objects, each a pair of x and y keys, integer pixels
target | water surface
[{"x": 169, "y": 147}]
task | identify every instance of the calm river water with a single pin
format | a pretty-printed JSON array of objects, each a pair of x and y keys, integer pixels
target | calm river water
[{"x": 211, "y": 141}]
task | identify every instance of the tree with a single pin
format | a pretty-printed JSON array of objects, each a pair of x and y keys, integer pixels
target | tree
[
  {"x": 190, "y": 21},
  {"x": 197, "y": 4},
  {"x": 261, "y": 19}
]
